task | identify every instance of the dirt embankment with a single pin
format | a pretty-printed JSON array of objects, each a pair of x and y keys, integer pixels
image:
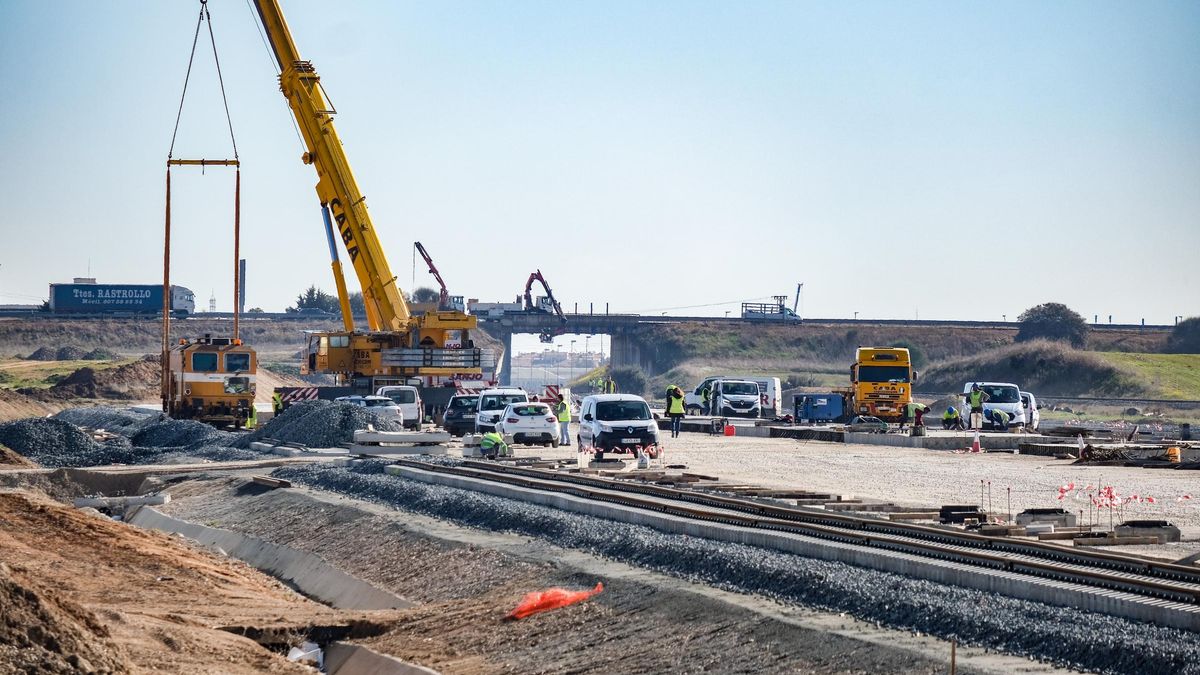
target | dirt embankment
[
  {"x": 1049, "y": 368},
  {"x": 82, "y": 589},
  {"x": 137, "y": 381}
]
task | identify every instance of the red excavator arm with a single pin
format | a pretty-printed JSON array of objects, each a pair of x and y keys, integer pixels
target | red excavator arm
[
  {"x": 444, "y": 298},
  {"x": 529, "y": 306}
]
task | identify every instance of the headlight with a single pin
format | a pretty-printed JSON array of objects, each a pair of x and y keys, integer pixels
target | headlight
[{"x": 605, "y": 427}]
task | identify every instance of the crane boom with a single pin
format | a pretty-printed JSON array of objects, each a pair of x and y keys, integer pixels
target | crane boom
[
  {"x": 397, "y": 345},
  {"x": 336, "y": 188}
]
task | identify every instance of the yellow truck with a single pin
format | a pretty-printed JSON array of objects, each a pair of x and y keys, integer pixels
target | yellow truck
[{"x": 881, "y": 382}]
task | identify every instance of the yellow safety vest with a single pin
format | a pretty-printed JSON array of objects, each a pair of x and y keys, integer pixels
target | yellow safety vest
[
  {"x": 564, "y": 411},
  {"x": 674, "y": 405}
]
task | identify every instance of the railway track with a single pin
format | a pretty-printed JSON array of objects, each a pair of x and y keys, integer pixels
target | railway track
[{"x": 1096, "y": 569}]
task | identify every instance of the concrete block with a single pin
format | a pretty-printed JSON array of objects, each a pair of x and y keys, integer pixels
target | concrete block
[
  {"x": 362, "y": 436},
  {"x": 1057, "y": 517},
  {"x": 1165, "y": 531},
  {"x": 472, "y": 451},
  {"x": 342, "y": 658},
  {"x": 396, "y": 450},
  {"x": 261, "y": 447}
]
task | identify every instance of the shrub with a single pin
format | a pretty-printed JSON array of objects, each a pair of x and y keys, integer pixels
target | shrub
[
  {"x": 1185, "y": 337},
  {"x": 1053, "y": 321},
  {"x": 629, "y": 379}
]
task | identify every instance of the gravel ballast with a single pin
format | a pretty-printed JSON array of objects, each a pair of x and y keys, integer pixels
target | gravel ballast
[
  {"x": 1065, "y": 636},
  {"x": 319, "y": 424}
]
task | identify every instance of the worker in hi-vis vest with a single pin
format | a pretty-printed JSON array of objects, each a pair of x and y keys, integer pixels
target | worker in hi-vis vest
[
  {"x": 492, "y": 445},
  {"x": 975, "y": 400},
  {"x": 563, "y": 410},
  {"x": 675, "y": 408},
  {"x": 276, "y": 403},
  {"x": 952, "y": 420}
]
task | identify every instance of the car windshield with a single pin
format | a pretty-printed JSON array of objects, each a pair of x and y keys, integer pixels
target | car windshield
[
  {"x": 741, "y": 388},
  {"x": 403, "y": 396},
  {"x": 379, "y": 403},
  {"x": 531, "y": 410},
  {"x": 609, "y": 411},
  {"x": 883, "y": 373},
  {"x": 464, "y": 402},
  {"x": 501, "y": 401},
  {"x": 1001, "y": 394}
]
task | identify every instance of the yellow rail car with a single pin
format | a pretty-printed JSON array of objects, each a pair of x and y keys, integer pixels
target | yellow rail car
[{"x": 211, "y": 380}]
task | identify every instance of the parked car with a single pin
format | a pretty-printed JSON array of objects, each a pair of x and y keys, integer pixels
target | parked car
[
  {"x": 492, "y": 403},
  {"x": 735, "y": 398},
  {"x": 459, "y": 417},
  {"x": 1001, "y": 396},
  {"x": 380, "y": 405},
  {"x": 867, "y": 424},
  {"x": 409, "y": 400},
  {"x": 1029, "y": 404},
  {"x": 617, "y": 423},
  {"x": 529, "y": 423}
]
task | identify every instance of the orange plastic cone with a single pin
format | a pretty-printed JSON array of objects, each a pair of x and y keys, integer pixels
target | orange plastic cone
[{"x": 975, "y": 446}]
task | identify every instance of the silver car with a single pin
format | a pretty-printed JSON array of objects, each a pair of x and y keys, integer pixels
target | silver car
[{"x": 380, "y": 405}]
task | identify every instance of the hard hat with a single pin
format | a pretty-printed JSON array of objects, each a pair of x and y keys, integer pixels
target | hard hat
[
  {"x": 975, "y": 386},
  {"x": 950, "y": 411}
]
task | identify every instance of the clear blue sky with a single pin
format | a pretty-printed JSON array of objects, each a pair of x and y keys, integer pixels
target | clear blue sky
[{"x": 894, "y": 157}]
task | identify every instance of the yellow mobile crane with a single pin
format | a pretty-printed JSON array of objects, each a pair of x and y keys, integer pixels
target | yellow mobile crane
[{"x": 397, "y": 344}]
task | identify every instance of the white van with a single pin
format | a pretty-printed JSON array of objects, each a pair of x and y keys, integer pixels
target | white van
[
  {"x": 735, "y": 398},
  {"x": 770, "y": 394},
  {"x": 617, "y": 423},
  {"x": 492, "y": 403},
  {"x": 1001, "y": 396},
  {"x": 409, "y": 400}
]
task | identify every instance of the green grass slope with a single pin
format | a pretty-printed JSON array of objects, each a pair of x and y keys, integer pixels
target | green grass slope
[
  {"x": 1047, "y": 368},
  {"x": 1168, "y": 376}
]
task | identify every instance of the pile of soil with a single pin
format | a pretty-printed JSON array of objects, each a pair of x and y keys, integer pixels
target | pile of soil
[
  {"x": 13, "y": 460},
  {"x": 135, "y": 381},
  {"x": 41, "y": 631},
  {"x": 142, "y": 596},
  {"x": 43, "y": 354},
  {"x": 99, "y": 354},
  {"x": 14, "y": 406},
  {"x": 67, "y": 353}
]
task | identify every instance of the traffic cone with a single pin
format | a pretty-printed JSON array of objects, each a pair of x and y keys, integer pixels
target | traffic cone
[{"x": 975, "y": 447}]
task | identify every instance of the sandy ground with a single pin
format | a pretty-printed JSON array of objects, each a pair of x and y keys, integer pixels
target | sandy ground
[
  {"x": 920, "y": 477},
  {"x": 467, "y": 580},
  {"x": 129, "y": 600}
]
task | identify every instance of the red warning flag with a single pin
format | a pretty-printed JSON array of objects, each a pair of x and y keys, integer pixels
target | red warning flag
[{"x": 551, "y": 598}]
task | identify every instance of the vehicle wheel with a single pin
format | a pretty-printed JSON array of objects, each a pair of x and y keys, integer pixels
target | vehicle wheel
[{"x": 553, "y": 443}]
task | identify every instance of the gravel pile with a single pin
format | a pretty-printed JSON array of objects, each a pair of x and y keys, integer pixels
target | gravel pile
[
  {"x": 69, "y": 354},
  {"x": 170, "y": 433},
  {"x": 55, "y": 443},
  {"x": 99, "y": 354},
  {"x": 43, "y": 354},
  {"x": 319, "y": 424},
  {"x": 1064, "y": 636},
  {"x": 124, "y": 421}
]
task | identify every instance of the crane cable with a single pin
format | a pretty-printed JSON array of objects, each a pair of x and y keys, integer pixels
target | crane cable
[{"x": 204, "y": 15}]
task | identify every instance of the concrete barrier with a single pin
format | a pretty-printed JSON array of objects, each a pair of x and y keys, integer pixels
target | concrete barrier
[
  {"x": 346, "y": 659},
  {"x": 304, "y": 571},
  {"x": 1117, "y": 603}
]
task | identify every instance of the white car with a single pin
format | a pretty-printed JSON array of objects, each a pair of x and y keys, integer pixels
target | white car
[
  {"x": 617, "y": 423},
  {"x": 492, "y": 403},
  {"x": 409, "y": 400},
  {"x": 1001, "y": 396},
  {"x": 529, "y": 423},
  {"x": 380, "y": 405}
]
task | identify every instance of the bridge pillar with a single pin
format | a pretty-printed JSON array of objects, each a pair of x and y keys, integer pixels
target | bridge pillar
[
  {"x": 626, "y": 351},
  {"x": 505, "y": 375}
]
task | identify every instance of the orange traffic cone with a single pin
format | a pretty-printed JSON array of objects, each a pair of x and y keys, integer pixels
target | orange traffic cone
[{"x": 975, "y": 447}]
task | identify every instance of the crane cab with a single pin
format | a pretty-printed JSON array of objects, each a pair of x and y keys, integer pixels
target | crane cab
[{"x": 212, "y": 380}]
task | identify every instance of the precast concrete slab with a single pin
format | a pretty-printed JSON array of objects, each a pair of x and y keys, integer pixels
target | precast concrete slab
[
  {"x": 363, "y": 436},
  {"x": 1117, "y": 603},
  {"x": 304, "y": 571},
  {"x": 342, "y": 658},
  {"x": 397, "y": 450}
]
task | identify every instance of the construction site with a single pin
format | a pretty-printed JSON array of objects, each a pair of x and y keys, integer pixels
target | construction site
[{"x": 466, "y": 475}]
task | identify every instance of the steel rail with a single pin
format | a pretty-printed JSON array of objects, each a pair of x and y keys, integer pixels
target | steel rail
[{"x": 1101, "y": 570}]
